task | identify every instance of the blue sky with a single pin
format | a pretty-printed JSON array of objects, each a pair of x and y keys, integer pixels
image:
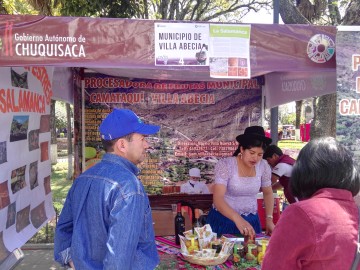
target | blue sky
[{"x": 262, "y": 16}]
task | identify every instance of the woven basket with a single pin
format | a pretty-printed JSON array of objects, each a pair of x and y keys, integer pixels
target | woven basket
[{"x": 205, "y": 261}]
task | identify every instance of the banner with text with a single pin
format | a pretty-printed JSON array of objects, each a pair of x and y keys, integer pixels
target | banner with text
[
  {"x": 348, "y": 88},
  {"x": 229, "y": 51},
  {"x": 25, "y": 166},
  {"x": 128, "y": 48},
  {"x": 199, "y": 122},
  {"x": 181, "y": 44},
  {"x": 285, "y": 87}
]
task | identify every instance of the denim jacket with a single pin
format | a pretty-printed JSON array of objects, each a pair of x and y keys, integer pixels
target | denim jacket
[{"x": 106, "y": 221}]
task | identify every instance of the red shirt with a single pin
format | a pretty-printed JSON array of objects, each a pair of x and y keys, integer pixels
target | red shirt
[{"x": 320, "y": 233}]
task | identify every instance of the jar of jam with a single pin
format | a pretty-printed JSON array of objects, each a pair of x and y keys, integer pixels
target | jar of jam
[
  {"x": 217, "y": 246},
  {"x": 252, "y": 253},
  {"x": 241, "y": 251},
  {"x": 249, "y": 239}
]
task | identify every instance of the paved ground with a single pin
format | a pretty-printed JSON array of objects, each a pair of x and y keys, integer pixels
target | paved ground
[{"x": 39, "y": 258}]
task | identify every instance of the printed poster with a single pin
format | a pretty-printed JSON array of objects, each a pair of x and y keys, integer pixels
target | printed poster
[
  {"x": 199, "y": 123},
  {"x": 181, "y": 44},
  {"x": 348, "y": 88},
  {"x": 25, "y": 166},
  {"x": 229, "y": 51}
]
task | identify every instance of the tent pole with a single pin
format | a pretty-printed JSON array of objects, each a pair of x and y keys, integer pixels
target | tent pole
[
  {"x": 275, "y": 111},
  {"x": 274, "y": 124}
]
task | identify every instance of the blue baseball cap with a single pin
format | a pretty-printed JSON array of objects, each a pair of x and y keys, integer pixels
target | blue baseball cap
[{"x": 122, "y": 122}]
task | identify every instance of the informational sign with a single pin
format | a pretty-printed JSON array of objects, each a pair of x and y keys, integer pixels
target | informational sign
[
  {"x": 25, "y": 166},
  {"x": 348, "y": 88},
  {"x": 229, "y": 51},
  {"x": 181, "y": 44},
  {"x": 134, "y": 47},
  {"x": 199, "y": 123}
]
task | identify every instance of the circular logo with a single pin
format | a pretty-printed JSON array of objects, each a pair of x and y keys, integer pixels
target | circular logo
[{"x": 320, "y": 48}]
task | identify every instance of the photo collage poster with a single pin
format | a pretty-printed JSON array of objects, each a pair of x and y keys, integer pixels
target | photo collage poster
[
  {"x": 25, "y": 166},
  {"x": 199, "y": 123}
]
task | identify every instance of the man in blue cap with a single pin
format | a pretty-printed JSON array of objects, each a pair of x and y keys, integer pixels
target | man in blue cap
[{"x": 106, "y": 222}]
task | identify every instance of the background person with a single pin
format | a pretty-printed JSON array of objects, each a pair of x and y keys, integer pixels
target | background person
[
  {"x": 282, "y": 166},
  {"x": 321, "y": 230},
  {"x": 106, "y": 222},
  {"x": 194, "y": 185},
  {"x": 237, "y": 183},
  {"x": 255, "y": 117}
]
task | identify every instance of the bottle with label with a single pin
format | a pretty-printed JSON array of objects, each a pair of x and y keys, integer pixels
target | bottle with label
[
  {"x": 179, "y": 224},
  {"x": 197, "y": 223}
]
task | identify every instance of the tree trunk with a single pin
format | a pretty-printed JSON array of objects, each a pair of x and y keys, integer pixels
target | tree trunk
[
  {"x": 290, "y": 13},
  {"x": 324, "y": 123},
  {"x": 298, "y": 113},
  {"x": 352, "y": 13},
  {"x": 2, "y": 8},
  {"x": 69, "y": 143},
  {"x": 53, "y": 140}
]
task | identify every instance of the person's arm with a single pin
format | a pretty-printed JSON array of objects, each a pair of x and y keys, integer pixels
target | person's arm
[
  {"x": 275, "y": 184},
  {"x": 269, "y": 208},
  {"x": 268, "y": 195},
  {"x": 220, "y": 204},
  {"x": 126, "y": 222}
]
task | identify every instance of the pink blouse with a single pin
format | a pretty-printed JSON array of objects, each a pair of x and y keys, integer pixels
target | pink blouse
[
  {"x": 320, "y": 233},
  {"x": 241, "y": 191}
]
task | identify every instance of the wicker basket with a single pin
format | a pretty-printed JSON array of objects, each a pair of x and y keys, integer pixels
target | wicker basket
[{"x": 205, "y": 261}]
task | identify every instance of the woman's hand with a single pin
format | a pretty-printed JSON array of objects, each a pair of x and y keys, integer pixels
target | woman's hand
[
  {"x": 269, "y": 226},
  {"x": 244, "y": 227},
  {"x": 72, "y": 265}
]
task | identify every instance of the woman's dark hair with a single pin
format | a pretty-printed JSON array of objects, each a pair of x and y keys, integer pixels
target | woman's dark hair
[
  {"x": 324, "y": 163},
  {"x": 250, "y": 143},
  {"x": 108, "y": 145}
]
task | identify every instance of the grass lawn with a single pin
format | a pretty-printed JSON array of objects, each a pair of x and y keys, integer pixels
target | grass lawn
[
  {"x": 291, "y": 144},
  {"x": 59, "y": 184}
]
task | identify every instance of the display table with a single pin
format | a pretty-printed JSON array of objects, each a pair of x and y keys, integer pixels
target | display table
[
  {"x": 171, "y": 258},
  {"x": 201, "y": 201}
]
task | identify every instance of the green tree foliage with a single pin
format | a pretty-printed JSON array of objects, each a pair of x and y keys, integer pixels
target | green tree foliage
[
  {"x": 60, "y": 115},
  {"x": 288, "y": 119},
  {"x": 198, "y": 10},
  {"x": 33, "y": 7},
  {"x": 101, "y": 8}
]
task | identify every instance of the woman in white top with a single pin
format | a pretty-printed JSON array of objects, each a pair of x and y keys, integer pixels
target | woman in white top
[{"x": 238, "y": 179}]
